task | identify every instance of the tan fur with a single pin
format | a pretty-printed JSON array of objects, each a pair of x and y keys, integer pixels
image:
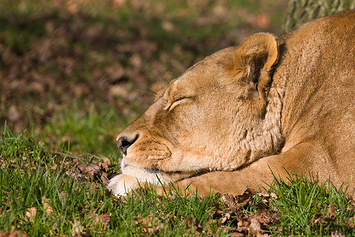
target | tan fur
[{"x": 283, "y": 102}]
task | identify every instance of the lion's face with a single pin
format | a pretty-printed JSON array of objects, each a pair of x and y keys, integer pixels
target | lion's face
[{"x": 213, "y": 117}]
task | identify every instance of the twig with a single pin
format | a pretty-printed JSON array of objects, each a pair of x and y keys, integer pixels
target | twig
[
  {"x": 66, "y": 155},
  {"x": 75, "y": 157}
]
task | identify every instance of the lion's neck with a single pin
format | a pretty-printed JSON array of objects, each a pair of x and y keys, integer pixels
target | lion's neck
[
  {"x": 272, "y": 122},
  {"x": 264, "y": 139}
]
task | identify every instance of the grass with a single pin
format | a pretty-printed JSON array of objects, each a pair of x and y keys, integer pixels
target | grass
[
  {"x": 92, "y": 131},
  {"x": 62, "y": 94},
  {"x": 33, "y": 178},
  {"x": 40, "y": 194},
  {"x": 308, "y": 207}
]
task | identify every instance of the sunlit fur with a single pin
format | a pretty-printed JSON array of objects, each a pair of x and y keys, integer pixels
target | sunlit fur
[{"x": 285, "y": 103}]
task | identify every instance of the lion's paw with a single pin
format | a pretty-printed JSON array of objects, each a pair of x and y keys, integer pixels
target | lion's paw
[{"x": 122, "y": 184}]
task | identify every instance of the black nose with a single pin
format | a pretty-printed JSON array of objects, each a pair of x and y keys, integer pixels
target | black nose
[{"x": 124, "y": 143}]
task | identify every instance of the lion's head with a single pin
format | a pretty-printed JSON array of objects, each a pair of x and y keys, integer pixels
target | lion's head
[{"x": 219, "y": 115}]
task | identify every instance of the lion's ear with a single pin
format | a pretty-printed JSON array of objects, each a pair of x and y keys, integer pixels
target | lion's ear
[{"x": 256, "y": 56}]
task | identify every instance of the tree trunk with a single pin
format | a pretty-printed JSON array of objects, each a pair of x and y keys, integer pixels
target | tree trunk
[{"x": 301, "y": 11}]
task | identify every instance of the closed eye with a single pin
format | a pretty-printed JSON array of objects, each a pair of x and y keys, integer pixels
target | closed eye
[{"x": 173, "y": 104}]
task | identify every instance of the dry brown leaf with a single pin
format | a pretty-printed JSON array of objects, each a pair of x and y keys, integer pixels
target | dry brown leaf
[
  {"x": 235, "y": 234},
  {"x": 331, "y": 211},
  {"x": 263, "y": 218},
  {"x": 167, "y": 26},
  {"x": 336, "y": 234},
  {"x": 107, "y": 161},
  {"x": 46, "y": 206},
  {"x": 194, "y": 224},
  {"x": 115, "y": 72},
  {"x": 226, "y": 218},
  {"x": 243, "y": 223},
  {"x": 118, "y": 3},
  {"x": 77, "y": 228},
  {"x": 156, "y": 228},
  {"x": 146, "y": 221},
  {"x": 150, "y": 224},
  {"x": 255, "y": 226},
  {"x": 89, "y": 169},
  {"x": 103, "y": 166},
  {"x": 4, "y": 234},
  {"x": 262, "y": 21},
  {"x": 101, "y": 220},
  {"x": 104, "y": 218},
  {"x": 244, "y": 199},
  {"x": 92, "y": 169},
  {"x": 17, "y": 233},
  {"x": 13, "y": 115},
  {"x": 273, "y": 195},
  {"x": 351, "y": 222},
  {"x": 104, "y": 178},
  {"x": 259, "y": 234},
  {"x": 30, "y": 213},
  {"x": 230, "y": 201},
  {"x": 82, "y": 167},
  {"x": 321, "y": 219},
  {"x": 63, "y": 194},
  {"x": 136, "y": 60}
]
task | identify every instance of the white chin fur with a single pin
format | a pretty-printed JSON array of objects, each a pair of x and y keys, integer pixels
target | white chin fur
[
  {"x": 130, "y": 178},
  {"x": 122, "y": 184}
]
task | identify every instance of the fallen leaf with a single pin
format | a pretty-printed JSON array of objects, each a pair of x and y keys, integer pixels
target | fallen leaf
[
  {"x": 167, "y": 26},
  {"x": 77, "y": 228},
  {"x": 89, "y": 169},
  {"x": 255, "y": 226},
  {"x": 321, "y": 219},
  {"x": 92, "y": 169},
  {"x": 115, "y": 72},
  {"x": 259, "y": 234},
  {"x": 63, "y": 194},
  {"x": 336, "y": 234},
  {"x": 235, "y": 234},
  {"x": 30, "y": 213},
  {"x": 36, "y": 87},
  {"x": 194, "y": 224},
  {"x": 104, "y": 218},
  {"x": 262, "y": 21},
  {"x": 46, "y": 206},
  {"x": 225, "y": 218},
  {"x": 13, "y": 115},
  {"x": 351, "y": 222},
  {"x": 17, "y": 233},
  {"x": 230, "y": 201},
  {"x": 104, "y": 178},
  {"x": 107, "y": 161},
  {"x": 150, "y": 224},
  {"x": 104, "y": 166},
  {"x": 243, "y": 199},
  {"x": 118, "y": 3},
  {"x": 331, "y": 211}
]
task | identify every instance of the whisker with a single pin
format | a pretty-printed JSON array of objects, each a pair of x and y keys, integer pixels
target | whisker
[{"x": 149, "y": 93}]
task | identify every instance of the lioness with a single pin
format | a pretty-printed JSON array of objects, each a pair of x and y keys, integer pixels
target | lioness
[{"x": 283, "y": 103}]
